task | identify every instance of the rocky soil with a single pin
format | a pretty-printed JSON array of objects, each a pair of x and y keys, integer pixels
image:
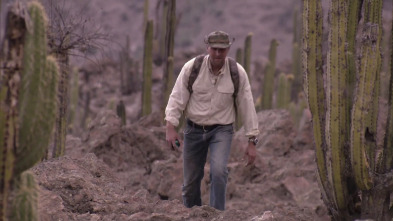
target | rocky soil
[{"x": 127, "y": 173}]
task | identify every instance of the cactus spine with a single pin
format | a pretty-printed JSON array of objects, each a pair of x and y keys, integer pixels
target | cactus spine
[
  {"x": 268, "y": 80},
  {"x": 147, "y": 69},
  {"x": 247, "y": 53}
]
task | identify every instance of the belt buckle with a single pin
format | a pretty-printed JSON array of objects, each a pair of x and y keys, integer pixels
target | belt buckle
[{"x": 203, "y": 128}]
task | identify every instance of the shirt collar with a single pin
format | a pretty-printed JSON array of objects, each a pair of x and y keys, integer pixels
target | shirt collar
[{"x": 209, "y": 65}]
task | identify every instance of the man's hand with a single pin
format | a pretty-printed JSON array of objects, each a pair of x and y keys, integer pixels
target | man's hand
[
  {"x": 250, "y": 153},
  {"x": 172, "y": 137}
]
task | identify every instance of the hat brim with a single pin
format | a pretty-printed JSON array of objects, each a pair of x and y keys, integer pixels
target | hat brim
[{"x": 218, "y": 45}]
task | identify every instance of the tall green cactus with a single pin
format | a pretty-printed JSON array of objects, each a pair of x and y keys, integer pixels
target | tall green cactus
[
  {"x": 164, "y": 28},
  {"x": 121, "y": 112},
  {"x": 145, "y": 13},
  {"x": 247, "y": 53},
  {"x": 147, "y": 70},
  {"x": 268, "y": 79},
  {"x": 312, "y": 65},
  {"x": 27, "y": 99},
  {"x": 239, "y": 56},
  {"x": 10, "y": 75},
  {"x": 296, "y": 56},
  {"x": 169, "y": 78},
  {"x": 62, "y": 94},
  {"x": 53, "y": 75},
  {"x": 37, "y": 102},
  {"x": 354, "y": 174},
  {"x": 284, "y": 90},
  {"x": 74, "y": 100},
  {"x": 337, "y": 130}
]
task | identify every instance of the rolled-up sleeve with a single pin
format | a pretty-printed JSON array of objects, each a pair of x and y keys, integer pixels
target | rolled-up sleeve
[
  {"x": 179, "y": 97},
  {"x": 245, "y": 105}
]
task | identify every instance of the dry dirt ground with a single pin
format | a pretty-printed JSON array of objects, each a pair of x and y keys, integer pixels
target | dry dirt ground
[{"x": 127, "y": 173}]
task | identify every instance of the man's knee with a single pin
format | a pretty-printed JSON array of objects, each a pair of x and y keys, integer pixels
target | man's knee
[{"x": 219, "y": 173}]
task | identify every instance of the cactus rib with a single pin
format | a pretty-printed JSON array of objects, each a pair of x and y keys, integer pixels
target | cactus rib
[{"x": 312, "y": 66}]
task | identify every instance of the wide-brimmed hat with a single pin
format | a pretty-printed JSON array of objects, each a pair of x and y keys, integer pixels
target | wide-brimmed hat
[{"x": 218, "y": 39}]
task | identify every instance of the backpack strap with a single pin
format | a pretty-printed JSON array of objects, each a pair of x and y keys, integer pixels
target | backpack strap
[
  {"x": 195, "y": 71},
  {"x": 234, "y": 75},
  {"x": 235, "y": 80}
]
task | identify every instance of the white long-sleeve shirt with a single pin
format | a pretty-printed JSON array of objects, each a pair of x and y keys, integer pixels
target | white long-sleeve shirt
[{"x": 211, "y": 101}]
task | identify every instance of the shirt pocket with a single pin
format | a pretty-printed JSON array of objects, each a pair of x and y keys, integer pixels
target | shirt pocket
[{"x": 225, "y": 97}]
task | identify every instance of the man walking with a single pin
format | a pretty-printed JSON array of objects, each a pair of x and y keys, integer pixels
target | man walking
[{"x": 210, "y": 90}]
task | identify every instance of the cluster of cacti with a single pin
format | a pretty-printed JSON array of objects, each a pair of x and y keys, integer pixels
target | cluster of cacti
[
  {"x": 27, "y": 107},
  {"x": 147, "y": 70},
  {"x": 353, "y": 171},
  {"x": 247, "y": 53}
]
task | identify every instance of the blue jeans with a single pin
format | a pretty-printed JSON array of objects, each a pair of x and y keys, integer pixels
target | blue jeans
[{"x": 197, "y": 142}]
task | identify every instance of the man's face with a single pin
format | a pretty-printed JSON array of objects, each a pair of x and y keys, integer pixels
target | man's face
[{"x": 217, "y": 55}]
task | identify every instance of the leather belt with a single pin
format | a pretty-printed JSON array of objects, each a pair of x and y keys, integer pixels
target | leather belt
[{"x": 204, "y": 127}]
